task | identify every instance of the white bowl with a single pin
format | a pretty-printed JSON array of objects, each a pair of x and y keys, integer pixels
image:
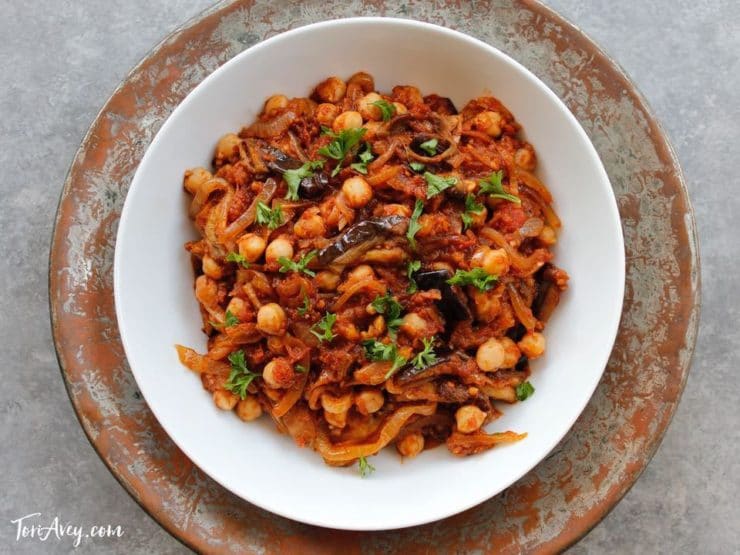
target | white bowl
[{"x": 154, "y": 280}]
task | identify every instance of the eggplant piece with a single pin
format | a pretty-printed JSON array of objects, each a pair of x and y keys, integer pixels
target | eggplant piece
[
  {"x": 309, "y": 187},
  {"x": 522, "y": 364},
  {"x": 362, "y": 236},
  {"x": 409, "y": 372},
  {"x": 440, "y": 104},
  {"x": 453, "y": 304}
]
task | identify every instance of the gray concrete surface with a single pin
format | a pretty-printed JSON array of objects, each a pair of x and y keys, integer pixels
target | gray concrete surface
[{"x": 62, "y": 60}]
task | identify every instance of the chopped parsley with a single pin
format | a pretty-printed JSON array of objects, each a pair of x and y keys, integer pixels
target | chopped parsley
[
  {"x": 323, "y": 328},
  {"x": 287, "y": 265},
  {"x": 391, "y": 309},
  {"x": 231, "y": 320},
  {"x": 417, "y": 166},
  {"x": 365, "y": 157},
  {"x": 365, "y": 467},
  {"x": 303, "y": 309},
  {"x": 430, "y": 146},
  {"x": 384, "y": 352},
  {"x": 476, "y": 277},
  {"x": 238, "y": 258},
  {"x": 412, "y": 267},
  {"x": 300, "y": 369},
  {"x": 387, "y": 109},
  {"x": 425, "y": 357},
  {"x": 342, "y": 145},
  {"x": 472, "y": 208},
  {"x": 240, "y": 376},
  {"x": 272, "y": 218},
  {"x": 436, "y": 183},
  {"x": 414, "y": 226},
  {"x": 524, "y": 391},
  {"x": 293, "y": 177},
  {"x": 493, "y": 187}
]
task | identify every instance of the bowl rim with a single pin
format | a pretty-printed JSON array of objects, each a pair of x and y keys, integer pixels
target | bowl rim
[{"x": 613, "y": 215}]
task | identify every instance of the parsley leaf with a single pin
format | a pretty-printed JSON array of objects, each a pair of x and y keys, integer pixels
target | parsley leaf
[
  {"x": 287, "y": 265},
  {"x": 303, "y": 309},
  {"x": 385, "y": 352},
  {"x": 365, "y": 467},
  {"x": 417, "y": 166},
  {"x": 430, "y": 146},
  {"x": 427, "y": 356},
  {"x": 323, "y": 328},
  {"x": 476, "y": 277},
  {"x": 436, "y": 183},
  {"x": 391, "y": 309},
  {"x": 240, "y": 376},
  {"x": 300, "y": 369},
  {"x": 492, "y": 186},
  {"x": 365, "y": 157},
  {"x": 414, "y": 226},
  {"x": 342, "y": 145},
  {"x": 272, "y": 218},
  {"x": 524, "y": 391},
  {"x": 231, "y": 320},
  {"x": 293, "y": 177},
  {"x": 472, "y": 208},
  {"x": 387, "y": 109},
  {"x": 238, "y": 258},
  {"x": 412, "y": 267}
]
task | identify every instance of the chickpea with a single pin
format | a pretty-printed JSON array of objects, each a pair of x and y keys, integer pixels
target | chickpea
[
  {"x": 310, "y": 224},
  {"x": 410, "y": 445},
  {"x": 336, "y": 409},
  {"x": 369, "y": 401},
  {"x": 397, "y": 210},
  {"x": 511, "y": 352},
  {"x": 532, "y": 344},
  {"x": 367, "y": 109},
  {"x": 195, "y": 178},
  {"x": 251, "y": 247},
  {"x": 547, "y": 236},
  {"x": 271, "y": 319},
  {"x": 360, "y": 272},
  {"x": 280, "y": 247},
  {"x": 364, "y": 80},
  {"x": 326, "y": 280},
  {"x": 495, "y": 262},
  {"x": 249, "y": 408},
  {"x": 275, "y": 103},
  {"x": 489, "y": 123},
  {"x": 227, "y": 146},
  {"x": 478, "y": 219},
  {"x": 487, "y": 305},
  {"x": 469, "y": 419},
  {"x": 413, "y": 325},
  {"x": 211, "y": 268},
  {"x": 225, "y": 400},
  {"x": 400, "y": 109},
  {"x": 347, "y": 120},
  {"x": 490, "y": 355},
  {"x": 331, "y": 90},
  {"x": 371, "y": 130},
  {"x": 239, "y": 308},
  {"x": 326, "y": 113},
  {"x": 465, "y": 186},
  {"x": 407, "y": 95},
  {"x": 206, "y": 290},
  {"x": 278, "y": 373},
  {"x": 525, "y": 158},
  {"x": 357, "y": 191}
]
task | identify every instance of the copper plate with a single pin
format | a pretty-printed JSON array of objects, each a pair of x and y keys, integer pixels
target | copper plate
[{"x": 589, "y": 471}]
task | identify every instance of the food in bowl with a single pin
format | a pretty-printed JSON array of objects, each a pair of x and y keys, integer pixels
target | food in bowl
[{"x": 373, "y": 269}]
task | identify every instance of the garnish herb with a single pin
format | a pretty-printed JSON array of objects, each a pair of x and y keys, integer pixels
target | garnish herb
[
  {"x": 322, "y": 328},
  {"x": 303, "y": 309},
  {"x": 272, "y": 218},
  {"x": 412, "y": 267},
  {"x": 293, "y": 177},
  {"x": 524, "y": 391},
  {"x": 476, "y": 277},
  {"x": 384, "y": 352},
  {"x": 240, "y": 376},
  {"x": 231, "y": 320},
  {"x": 430, "y": 147},
  {"x": 365, "y": 467},
  {"x": 300, "y": 369},
  {"x": 287, "y": 265},
  {"x": 365, "y": 157},
  {"x": 342, "y": 145},
  {"x": 417, "y": 166},
  {"x": 493, "y": 187},
  {"x": 238, "y": 258},
  {"x": 414, "y": 226},
  {"x": 391, "y": 309},
  {"x": 436, "y": 183},
  {"x": 387, "y": 109},
  {"x": 472, "y": 208},
  {"x": 425, "y": 357}
]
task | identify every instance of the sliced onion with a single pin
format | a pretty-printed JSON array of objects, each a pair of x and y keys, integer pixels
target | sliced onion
[
  {"x": 270, "y": 128},
  {"x": 248, "y": 216},
  {"x": 522, "y": 311}
]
